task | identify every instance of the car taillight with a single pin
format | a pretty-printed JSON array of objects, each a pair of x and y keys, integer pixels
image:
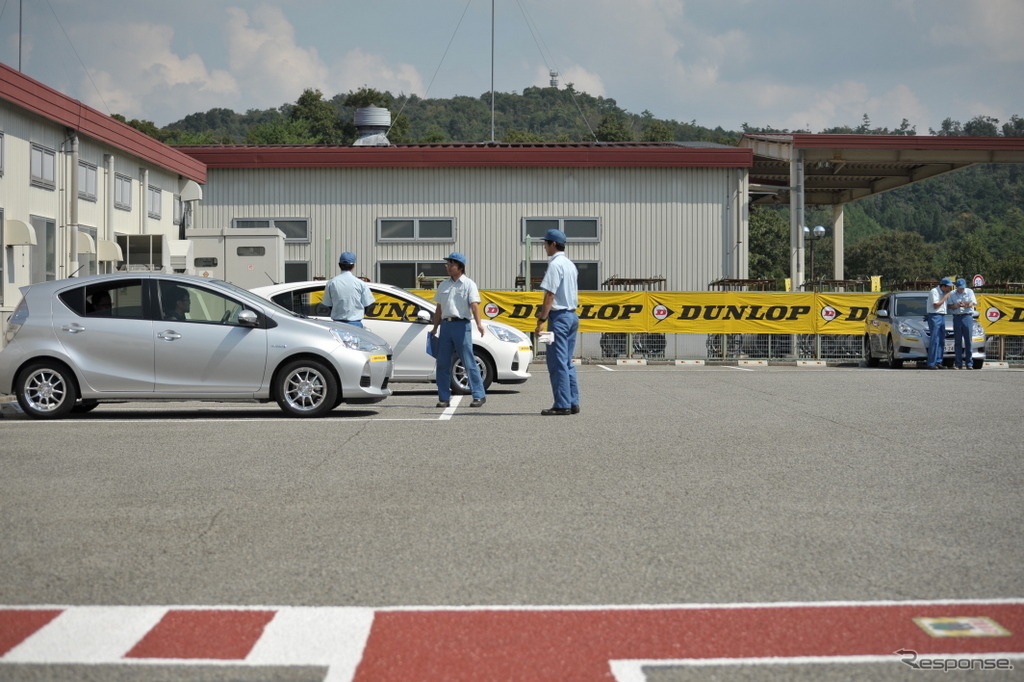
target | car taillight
[{"x": 16, "y": 320}]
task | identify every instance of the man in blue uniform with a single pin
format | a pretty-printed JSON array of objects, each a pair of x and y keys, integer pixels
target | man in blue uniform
[
  {"x": 561, "y": 296},
  {"x": 346, "y": 295},
  {"x": 458, "y": 304}
]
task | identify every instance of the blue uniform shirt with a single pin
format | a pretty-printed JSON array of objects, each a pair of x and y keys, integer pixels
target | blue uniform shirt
[
  {"x": 560, "y": 279},
  {"x": 347, "y": 295}
]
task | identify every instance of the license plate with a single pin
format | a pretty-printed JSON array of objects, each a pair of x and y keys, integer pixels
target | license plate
[{"x": 949, "y": 347}]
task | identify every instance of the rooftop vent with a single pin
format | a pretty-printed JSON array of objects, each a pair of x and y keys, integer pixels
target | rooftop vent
[{"x": 372, "y": 124}]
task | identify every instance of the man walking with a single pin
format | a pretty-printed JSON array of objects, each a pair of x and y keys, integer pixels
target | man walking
[
  {"x": 561, "y": 296},
  {"x": 961, "y": 304},
  {"x": 458, "y": 301},
  {"x": 935, "y": 315},
  {"x": 346, "y": 295}
]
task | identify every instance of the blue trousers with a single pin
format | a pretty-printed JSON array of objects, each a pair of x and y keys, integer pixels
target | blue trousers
[
  {"x": 455, "y": 338},
  {"x": 565, "y": 325},
  {"x": 936, "y": 337},
  {"x": 962, "y": 325}
]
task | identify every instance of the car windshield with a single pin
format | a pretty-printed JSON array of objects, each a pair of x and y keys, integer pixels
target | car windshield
[
  {"x": 251, "y": 297},
  {"x": 908, "y": 306}
]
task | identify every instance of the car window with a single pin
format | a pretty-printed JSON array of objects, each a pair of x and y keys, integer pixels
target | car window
[
  {"x": 390, "y": 307},
  {"x": 122, "y": 299},
  {"x": 907, "y": 306},
  {"x": 184, "y": 303},
  {"x": 308, "y": 302}
]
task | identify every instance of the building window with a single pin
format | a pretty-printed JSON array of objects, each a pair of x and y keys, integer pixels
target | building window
[
  {"x": 296, "y": 271},
  {"x": 295, "y": 229},
  {"x": 44, "y": 164},
  {"x": 44, "y": 255},
  {"x": 416, "y": 229},
  {"x": 412, "y": 275},
  {"x": 155, "y": 199},
  {"x": 575, "y": 229},
  {"x": 588, "y": 279},
  {"x": 87, "y": 178},
  {"x": 122, "y": 192}
]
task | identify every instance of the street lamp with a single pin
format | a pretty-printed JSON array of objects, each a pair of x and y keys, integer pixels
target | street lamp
[{"x": 811, "y": 236}]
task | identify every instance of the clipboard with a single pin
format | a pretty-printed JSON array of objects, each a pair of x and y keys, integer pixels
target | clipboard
[{"x": 431, "y": 344}]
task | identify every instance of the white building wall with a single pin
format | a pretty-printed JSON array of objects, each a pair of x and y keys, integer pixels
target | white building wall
[
  {"x": 20, "y": 200},
  {"x": 680, "y": 224}
]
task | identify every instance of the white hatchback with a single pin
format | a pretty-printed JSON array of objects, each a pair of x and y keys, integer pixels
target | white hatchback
[{"x": 402, "y": 319}]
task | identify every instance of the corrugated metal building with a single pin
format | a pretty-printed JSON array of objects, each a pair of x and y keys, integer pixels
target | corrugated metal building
[{"x": 631, "y": 210}]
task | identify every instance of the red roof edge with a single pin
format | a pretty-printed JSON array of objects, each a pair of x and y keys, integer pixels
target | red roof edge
[{"x": 42, "y": 100}]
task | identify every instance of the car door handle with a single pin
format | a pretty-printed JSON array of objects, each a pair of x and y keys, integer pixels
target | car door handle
[
  {"x": 73, "y": 328},
  {"x": 168, "y": 335}
]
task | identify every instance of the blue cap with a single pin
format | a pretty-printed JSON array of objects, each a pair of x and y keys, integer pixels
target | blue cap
[
  {"x": 457, "y": 257},
  {"x": 347, "y": 258},
  {"x": 556, "y": 236},
  {"x": 961, "y": 283},
  {"x": 946, "y": 282}
]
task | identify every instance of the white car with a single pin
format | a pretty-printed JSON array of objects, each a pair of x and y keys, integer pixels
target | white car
[{"x": 402, "y": 319}]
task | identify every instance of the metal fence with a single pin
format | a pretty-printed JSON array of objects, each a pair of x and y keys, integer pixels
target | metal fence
[{"x": 731, "y": 347}]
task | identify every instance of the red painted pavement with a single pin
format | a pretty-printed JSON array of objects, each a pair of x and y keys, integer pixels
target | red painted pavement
[
  {"x": 578, "y": 645},
  {"x": 211, "y": 634},
  {"x": 17, "y": 625}
]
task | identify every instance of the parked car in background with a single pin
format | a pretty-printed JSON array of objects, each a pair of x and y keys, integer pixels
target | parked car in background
[
  {"x": 402, "y": 319},
  {"x": 896, "y": 331},
  {"x": 74, "y": 343}
]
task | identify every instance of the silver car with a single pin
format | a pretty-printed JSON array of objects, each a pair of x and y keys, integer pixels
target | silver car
[
  {"x": 401, "y": 318},
  {"x": 896, "y": 331},
  {"x": 73, "y": 343}
]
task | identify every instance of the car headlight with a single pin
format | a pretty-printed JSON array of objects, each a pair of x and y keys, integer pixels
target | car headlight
[
  {"x": 977, "y": 330},
  {"x": 910, "y": 329},
  {"x": 507, "y": 335},
  {"x": 355, "y": 341}
]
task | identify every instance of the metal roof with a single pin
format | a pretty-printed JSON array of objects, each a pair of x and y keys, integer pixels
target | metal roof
[{"x": 839, "y": 169}]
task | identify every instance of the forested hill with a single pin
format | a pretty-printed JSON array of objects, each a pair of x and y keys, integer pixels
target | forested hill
[{"x": 966, "y": 222}]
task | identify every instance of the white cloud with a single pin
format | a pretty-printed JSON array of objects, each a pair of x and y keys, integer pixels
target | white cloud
[
  {"x": 988, "y": 27},
  {"x": 359, "y": 68}
]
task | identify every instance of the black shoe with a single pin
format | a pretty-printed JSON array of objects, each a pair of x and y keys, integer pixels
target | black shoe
[
  {"x": 478, "y": 403},
  {"x": 442, "y": 403},
  {"x": 556, "y": 411},
  {"x": 575, "y": 409}
]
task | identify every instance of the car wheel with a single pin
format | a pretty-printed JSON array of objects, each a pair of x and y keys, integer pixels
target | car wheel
[
  {"x": 869, "y": 359},
  {"x": 46, "y": 391},
  {"x": 890, "y": 354},
  {"x": 460, "y": 380},
  {"x": 306, "y": 388}
]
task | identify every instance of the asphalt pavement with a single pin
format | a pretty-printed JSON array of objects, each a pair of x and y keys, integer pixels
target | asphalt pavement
[{"x": 674, "y": 485}]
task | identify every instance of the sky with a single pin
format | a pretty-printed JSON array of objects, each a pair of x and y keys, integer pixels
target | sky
[{"x": 787, "y": 64}]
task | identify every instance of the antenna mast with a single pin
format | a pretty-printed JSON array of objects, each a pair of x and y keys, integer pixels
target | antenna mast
[{"x": 492, "y": 70}]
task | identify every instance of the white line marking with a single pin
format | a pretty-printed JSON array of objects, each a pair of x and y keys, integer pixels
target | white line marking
[
  {"x": 742, "y": 369},
  {"x": 607, "y": 369},
  {"x": 88, "y": 634},
  {"x": 331, "y": 636},
  {"x": 449, "y": 412}
]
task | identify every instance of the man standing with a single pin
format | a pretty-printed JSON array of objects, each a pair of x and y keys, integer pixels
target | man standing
[
  {"x": 561, "y": 296},
  {"x": 346, "y": 295},
  {"x": 936, "y": 318},
  {"x": 961, "y": 304},
  {"x": 458, "y": 300}
]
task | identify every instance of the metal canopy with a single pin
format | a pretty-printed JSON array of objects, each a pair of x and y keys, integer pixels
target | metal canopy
[{"x": 838, "y": 169}]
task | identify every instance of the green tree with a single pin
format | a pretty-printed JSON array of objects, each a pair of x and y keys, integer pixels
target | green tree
[
  {"x": 319, "y": 116},
  {"x": 282, "y": 131},
  {"x": 982, "y": 126},
  {"x": 614, "y": 128},
  {"x": 768, "y": 244},
  {"x": 896, "y": 256}
]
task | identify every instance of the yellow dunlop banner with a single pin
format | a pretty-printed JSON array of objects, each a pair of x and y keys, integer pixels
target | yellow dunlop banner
[
  {"x": 726, "y": 312},
  {"x": 1001, "y": 314}
]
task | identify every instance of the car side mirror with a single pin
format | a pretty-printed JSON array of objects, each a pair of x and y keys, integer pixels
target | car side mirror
[
  {"x": 247, "y": 318},
  {"x": 423, "y": 317},
  {"x": 882, "y": 313}
]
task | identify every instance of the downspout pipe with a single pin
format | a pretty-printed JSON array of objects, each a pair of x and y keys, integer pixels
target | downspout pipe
[
  {"x": 144, "y": 204},
  {"x": 108, "y": 227},
  {"x": 796, "y": 219},
  {"x": 73, "y": 265}
]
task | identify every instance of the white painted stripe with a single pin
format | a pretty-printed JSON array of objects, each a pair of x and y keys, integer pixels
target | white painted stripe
[
  {"x": 607, "y": 369},
  {"x": 88, "y": 634},
  {"x": 331, "y": 636},
  {"x": 449, "y": 411},
  {"x": 632, "y": 670}
]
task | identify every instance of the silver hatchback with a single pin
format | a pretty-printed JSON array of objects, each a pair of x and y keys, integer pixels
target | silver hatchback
[{"x": 133, "y": 336}]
